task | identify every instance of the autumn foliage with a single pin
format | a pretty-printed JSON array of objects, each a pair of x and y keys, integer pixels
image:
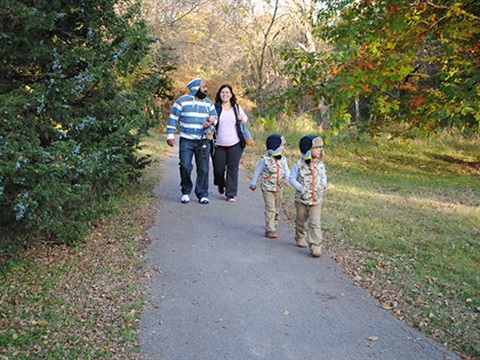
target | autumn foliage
[{"x": 410, "y": 64}]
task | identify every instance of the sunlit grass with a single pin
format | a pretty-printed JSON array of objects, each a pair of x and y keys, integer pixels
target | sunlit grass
[{"x": 403, "y": 216}]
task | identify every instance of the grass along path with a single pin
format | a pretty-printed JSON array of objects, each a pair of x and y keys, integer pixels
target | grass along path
[
  {"x": 403, "y": 219},
  {"x": 83, "y": 302}
]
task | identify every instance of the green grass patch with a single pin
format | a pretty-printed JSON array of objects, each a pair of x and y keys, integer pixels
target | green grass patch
[
  {"x": 83, "y": 301},
  {"x": 403, "y": 218}
]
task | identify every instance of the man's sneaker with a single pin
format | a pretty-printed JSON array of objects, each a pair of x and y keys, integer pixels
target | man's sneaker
[
  {"x": 301, "y": 243},
  {"x": 231, "y": 198},
  {"x": 316, "y": 251},
  {"x": 204, "y": 201},
  {"x": 221, "y": 190},
  {"x": 271, "y": 234},
  {"x": 185, "y": 199}
]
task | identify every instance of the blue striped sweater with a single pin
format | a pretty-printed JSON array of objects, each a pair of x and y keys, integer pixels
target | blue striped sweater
[{"x": 191, "y": 114}]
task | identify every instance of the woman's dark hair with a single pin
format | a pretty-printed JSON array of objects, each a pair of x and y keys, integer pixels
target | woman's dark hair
[{"x": 218, "y": 99}]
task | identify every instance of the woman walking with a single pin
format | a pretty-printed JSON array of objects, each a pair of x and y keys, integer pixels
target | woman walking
[{"x": 229, "y": 144}]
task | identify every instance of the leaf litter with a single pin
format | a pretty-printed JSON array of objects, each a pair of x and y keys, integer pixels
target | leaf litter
[{"x": 80, "y": 301}]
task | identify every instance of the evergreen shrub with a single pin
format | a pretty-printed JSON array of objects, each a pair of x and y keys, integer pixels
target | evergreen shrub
[{"x": 73, "y": 102}]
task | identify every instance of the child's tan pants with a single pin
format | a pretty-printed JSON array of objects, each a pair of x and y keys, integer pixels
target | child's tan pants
[
  {"x": 273, "y": 203},
  {"x": 308, "y": 222}
]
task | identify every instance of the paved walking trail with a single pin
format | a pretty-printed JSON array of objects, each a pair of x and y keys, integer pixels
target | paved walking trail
[{"x": 222, "y": 290}]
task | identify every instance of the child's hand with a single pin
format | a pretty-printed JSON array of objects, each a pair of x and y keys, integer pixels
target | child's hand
[
  {"x": 253, "y": 188},
  {"x": 286, "y": 182}
]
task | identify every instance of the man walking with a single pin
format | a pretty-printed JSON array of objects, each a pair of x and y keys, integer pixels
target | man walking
[{"x": 196, "y": 115}]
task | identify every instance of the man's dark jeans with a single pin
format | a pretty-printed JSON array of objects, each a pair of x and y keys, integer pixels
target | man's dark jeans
[{"x": 200, "y": 149}]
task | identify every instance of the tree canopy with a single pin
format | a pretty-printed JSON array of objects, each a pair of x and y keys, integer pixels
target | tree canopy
[
  {"x": 395, "y": 66},
  {"x": 411, "y": 64}
]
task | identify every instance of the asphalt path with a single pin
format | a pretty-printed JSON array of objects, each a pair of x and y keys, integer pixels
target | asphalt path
[{"x": 221, "y": 290}]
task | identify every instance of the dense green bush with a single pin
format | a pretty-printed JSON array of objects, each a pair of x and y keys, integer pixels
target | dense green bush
[{"x": 73, "y": 103}]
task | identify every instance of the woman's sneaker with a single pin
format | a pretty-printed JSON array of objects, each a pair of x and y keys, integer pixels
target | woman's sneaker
[
  {"x": 231, "y": 198},
  {"x": 221, "y": 190}
]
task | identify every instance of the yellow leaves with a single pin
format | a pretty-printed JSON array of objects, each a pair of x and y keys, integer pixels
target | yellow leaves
[{"x": 457, "y": 9}]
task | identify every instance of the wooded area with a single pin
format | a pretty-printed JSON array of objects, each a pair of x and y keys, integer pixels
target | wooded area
[
  {"x": 395, "y": 66},
  {"x": 82, "y": 81}
]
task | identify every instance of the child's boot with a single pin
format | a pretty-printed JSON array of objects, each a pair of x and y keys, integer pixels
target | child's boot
[
  {"x": 301, "y": 243},
  {"x": 316, "y": 251},
  {"x": 271, "y": 234}
]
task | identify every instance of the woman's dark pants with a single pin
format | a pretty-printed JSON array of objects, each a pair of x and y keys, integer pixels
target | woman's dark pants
[{"x": 226, "y": 161}]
